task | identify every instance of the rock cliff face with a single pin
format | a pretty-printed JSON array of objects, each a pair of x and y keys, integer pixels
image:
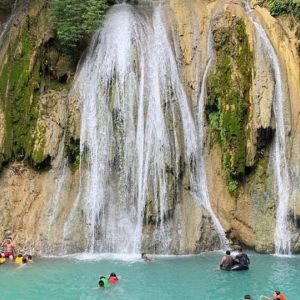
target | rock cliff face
[{"x": 40, "y": 130}]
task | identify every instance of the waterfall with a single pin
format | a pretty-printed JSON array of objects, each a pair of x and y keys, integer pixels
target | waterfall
[
  {"x": 8, "y": 22},
  {"x": 282, "y": 233},
  {"x": 202, "y": 190},
  {"x": 137, "y": 129}
]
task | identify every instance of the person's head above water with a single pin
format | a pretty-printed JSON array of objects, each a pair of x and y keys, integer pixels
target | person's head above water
[
  {"x": 113, "y": 274},
  {"x": 277, "y": 295},
  {"x": 101, "y": 281},
  {"x": 248, "y": 297},
  {"x": 227, "y": 252}
]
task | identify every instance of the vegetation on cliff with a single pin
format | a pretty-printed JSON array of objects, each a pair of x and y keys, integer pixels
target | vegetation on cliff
[
  {"x": 20, "y": 81},
  {"x": 72, "y": 19},
  {"x": 228, "y": 87},
  {"x": 283, "y": 7}
]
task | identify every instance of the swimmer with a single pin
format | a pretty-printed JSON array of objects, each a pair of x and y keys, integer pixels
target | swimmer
[
  {"x": 103, "y": 283},
  {"x": 19, "y": 259},
  {"x": 242, "y": 257},
  {"x": 248, "y": 297},
  {"x": 113, "y": 278},
  {"x": 276, "y": 296},
  {"x": 226, "y": 262},
  {"x": 29, "y": 259},
  {"x": 24, "y": 260},
  {"x": 144, "y": 257}
]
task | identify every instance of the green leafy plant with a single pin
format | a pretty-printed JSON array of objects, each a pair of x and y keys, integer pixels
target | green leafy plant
[
  {"x": 282, "y": 7},
  {"x": 72, "y": 19}
]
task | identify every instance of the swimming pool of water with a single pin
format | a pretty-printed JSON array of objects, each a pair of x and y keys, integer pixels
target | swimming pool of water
[{"x": 168, "y": 277}]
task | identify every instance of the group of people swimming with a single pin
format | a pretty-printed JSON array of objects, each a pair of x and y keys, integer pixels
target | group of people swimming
[
  {"x": 9, "y": 253},
  {"x": 228, "y": 262},
  {"x": 276, "y": 296},
  {"x": 105, "y": 283}
]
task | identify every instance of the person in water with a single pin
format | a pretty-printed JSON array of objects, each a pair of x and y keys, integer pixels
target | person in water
[
  {"x": 145, "y": 257},
  {"x": 24, "y": 260},
  {"x": 8, "y": 243},
  {"x": 276, "y": 296},
  {"x": 242, "y": 257},
  {"x": 2, "y": 259},
  {"x": 113, "y": 278},
  {"x": 103, "y": 283},
  {"x": 248, "y": 297},
  {"x": 226, "y": 262},
  {"x": 29, "y": 258},
  {"x": 19, "y": 259}
]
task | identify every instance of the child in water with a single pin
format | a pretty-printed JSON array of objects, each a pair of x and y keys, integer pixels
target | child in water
[
  {"x": 103, "y": 283},
  {"x": 19, "y": 259},
  {"x": 113, "y": 278}
]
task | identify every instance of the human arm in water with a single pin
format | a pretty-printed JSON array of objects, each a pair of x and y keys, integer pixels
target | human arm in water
[
  {"x": 222, "y": 261},
  {"x": 265, "y": 297}
]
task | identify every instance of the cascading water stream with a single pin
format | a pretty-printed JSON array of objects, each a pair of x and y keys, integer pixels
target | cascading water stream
[
  {"x": 137, "y": 129},
  {"x": 8, "y": 22},
  {"x": 202, "y": 190},
  {"x": 282, "y": 234}
]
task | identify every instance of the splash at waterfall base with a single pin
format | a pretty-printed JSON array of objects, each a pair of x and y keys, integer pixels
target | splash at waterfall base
[{"x": 147, "y": 179}]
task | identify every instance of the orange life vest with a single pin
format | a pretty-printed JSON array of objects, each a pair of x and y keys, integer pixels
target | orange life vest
[{"x": 281, "y": 297}]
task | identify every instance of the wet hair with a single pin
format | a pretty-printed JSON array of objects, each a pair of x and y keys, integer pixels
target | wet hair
[
  {"x": 20, "y": 255},
  {"x": 143, "y": 253},
  {"x": 277, "y": 292},
  {"x": 227, "y": 252},
  {"x": 24, "y": 260},
  {"x": 240, "y": 249},
  {"x": 102, "y": 277},
  {"x": 29, "y": 257},
  {"x": 101, "y": 283},
  {"x": 113, "y": 274},
  {"x": 248, "y": 297}
]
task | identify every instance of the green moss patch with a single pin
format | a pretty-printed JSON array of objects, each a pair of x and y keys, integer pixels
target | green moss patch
[{"x": 228, "y": 89}]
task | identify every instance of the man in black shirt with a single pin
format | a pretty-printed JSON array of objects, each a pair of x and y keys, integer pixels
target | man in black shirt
[{"x": 242, "y": 257}]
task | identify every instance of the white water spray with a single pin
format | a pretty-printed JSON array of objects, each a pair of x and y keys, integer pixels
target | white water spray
[
  {"x": 134, "y": 113},
  {"x": 9, "y": 21},
  {"x": 202, "y": 190},
  {"x": 282, "y": 233}
]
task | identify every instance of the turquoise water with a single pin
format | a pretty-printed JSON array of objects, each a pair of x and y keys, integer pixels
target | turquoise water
[{"x": 169, "y": 277}]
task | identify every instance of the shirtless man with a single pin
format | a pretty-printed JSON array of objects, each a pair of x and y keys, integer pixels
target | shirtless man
[{"x": 9, "y": 249}]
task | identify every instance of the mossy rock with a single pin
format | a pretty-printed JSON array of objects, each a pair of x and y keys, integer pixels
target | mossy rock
[{"x": 228, "y": 90}]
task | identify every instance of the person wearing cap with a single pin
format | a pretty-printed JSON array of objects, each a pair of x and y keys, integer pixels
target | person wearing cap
[
  {"x": 242, "y": 257},
  {"x": 276, "y": 296},
  {"x": 248, "y": 297}
]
